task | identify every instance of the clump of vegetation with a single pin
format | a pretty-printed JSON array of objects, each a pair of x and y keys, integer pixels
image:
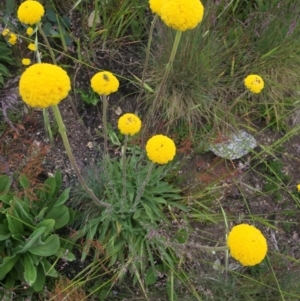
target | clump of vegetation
[{"x": 227, "y": 67}]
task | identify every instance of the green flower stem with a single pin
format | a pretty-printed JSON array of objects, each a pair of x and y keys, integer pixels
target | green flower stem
[
  {"x": 142, "y": 188},
  {"x": 47, "y": 125},
  {"x": 212, "y": 249},
  {"x": 236, "y": 100},
  {"x": 62, "y": 131},
  {"x": 42, "y": 33},
  {"x": 146, "y": 59},
  {"x": 124, "y": 171},
  {"x": 164, "y": 79},
  {"x": 45, "y": 111},
  {"x": 105, "y": 105},
  {"x": 167, "y": 70}
]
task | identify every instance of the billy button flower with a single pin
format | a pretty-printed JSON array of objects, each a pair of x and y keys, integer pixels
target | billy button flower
[
  {"x": 298, "y": 187},
  {"x": 254, "y": 83},
  {"x": 26, "y": 61},
  {"x": 29, "y": 31},
  {"x": 181, "y": 14},
  {"x": 5, "y": 32},
  {"x": 44, "y": 85},
  {"x": 129, "y": 124},
  {"x": 30, "y": 12},
  {"x": 160, "y": 149},
  {"x": 156, "y": 5},
  {"x": 104, "y": 83},
  {"x": 247, "y": 244},
  {"x": 32, "y": 47},
  {"x": 12, "y": 39}
]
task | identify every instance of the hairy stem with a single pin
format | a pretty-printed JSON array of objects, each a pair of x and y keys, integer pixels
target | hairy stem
[
  {"x": 105, "y": 105},
  {"x": 124, "y": 172},
  {"x": 142, "y": 188},
  {"x": 146, "y": 59},
  {"x": 63, "y": 133}
]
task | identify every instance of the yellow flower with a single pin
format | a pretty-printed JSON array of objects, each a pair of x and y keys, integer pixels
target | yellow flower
[
  {"x": 44, "y": 85},
  {"x": 104, "y": 83},
  {"x": 298, "y": 187},
  {"x": 156, "y": 5},
  {"x": 32, "y": 47},
  {"x": 247, "y": 244},
  {"x": 182, "y": 14},
  {"x": 5, "y": 32},
  {"x": 129, "y": 124},
  {"x": 29, "y": 31},
  {"x": 160, "y": 149},
  {"x": 30, "y": 12},
  {"x": 254, "y": 83},
  {"x": 12, "y": 39},
  {"x": 26, "y": 61}
]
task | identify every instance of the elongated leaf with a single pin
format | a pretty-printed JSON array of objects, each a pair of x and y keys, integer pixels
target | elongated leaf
[
  {"x": 49, "y": 270},
  {"x": 21, "y": 210},
  {"x": 50, "y": 187},
  {"x": 48, "y": 224},
  {"x": 4, "y": 71},
  {"x": 24, "y": 181},
  {"x": 32, "y": 239},
  {"x": 63, "y": 197},
  {"x": 4, "y": 232},
  {"x": 65, "y": 254},
  {"x": 46, "y": 248},
  {"x": 40, "y": 280},
  {"x": 151, "y": 276},
  {"x": 30, "y": 272},
  {"x": 7, "y": 264},
  {"x": 60, "y": 215},
  {"x": 14, "y": 225},
  {"x": 4, "y": 183},
  {"x": 58, "y": 179}
]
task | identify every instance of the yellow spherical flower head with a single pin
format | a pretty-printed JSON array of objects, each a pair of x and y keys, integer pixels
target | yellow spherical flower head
[
  {"x": 254, "y": 83},
  {"x": 129, "y": 124},
  {"x": 5, "y": 32},
  {"x": 247, "y": 244},
  {"x": 32, "y": 47},
  {"x": 156, "y": 5},
  {"x": 160, "y": 149},
  {"x": 182, "y": 14},
  {"x": 104, "y": 83},
  {"x": 298, "y": 187},
  {"x": 44, "y": 85},
  {"x": 26, "y": 61},
  {"x": 29, "y": 31},
  {"x": 30, "y": 12},
  {"x": 12, "y": 39}
]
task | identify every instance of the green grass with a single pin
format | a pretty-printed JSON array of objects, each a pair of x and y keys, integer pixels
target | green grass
[
  {"x": 212, "y": 61},
  {"x": 204, "y": 95}
]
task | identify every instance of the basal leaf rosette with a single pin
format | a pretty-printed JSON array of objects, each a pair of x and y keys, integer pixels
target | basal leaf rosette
[
  {"x": 129, "y": 124},
  {"x": 181, "y": 14},
  {"x": 247, "y": 244},
  {"x": 254, "y": 83},
  {"x": 30, "y": 12},
  {"x": 44, "y": 85},
  {"x": 160, "y": 149},
  {"x": 104, "y": 83}
]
